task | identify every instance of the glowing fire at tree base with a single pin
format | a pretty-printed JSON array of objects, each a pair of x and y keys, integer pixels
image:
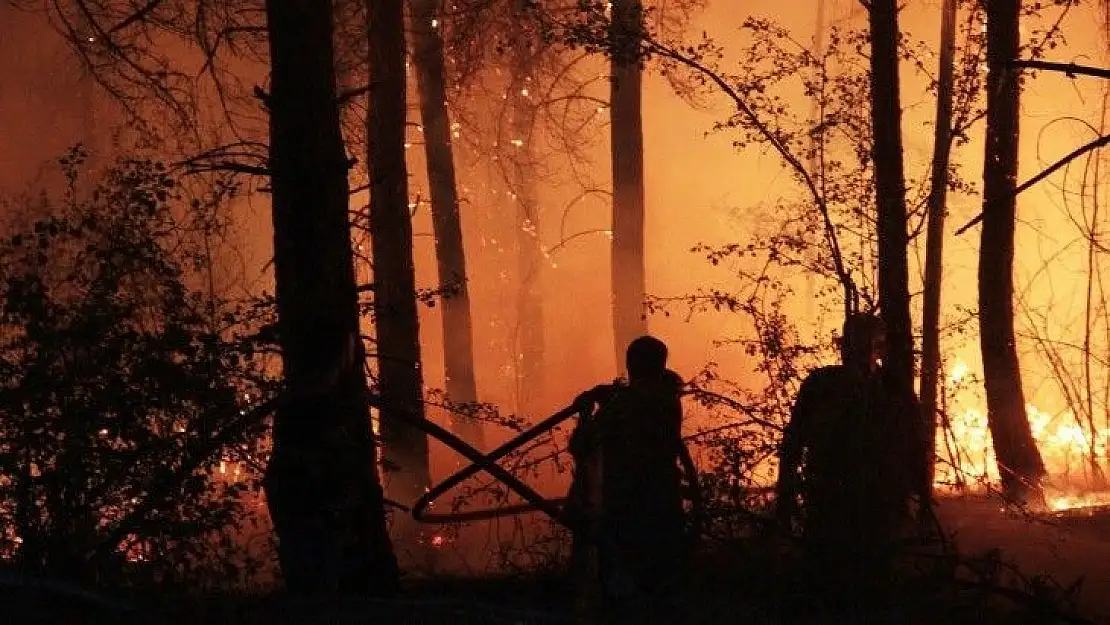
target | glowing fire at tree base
[{"x": 1074, "y": 455}]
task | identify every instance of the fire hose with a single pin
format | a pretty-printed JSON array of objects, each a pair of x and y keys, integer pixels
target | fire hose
[
  {"x": 488, "y": 463},
  {"x": 535, "y": 501}
]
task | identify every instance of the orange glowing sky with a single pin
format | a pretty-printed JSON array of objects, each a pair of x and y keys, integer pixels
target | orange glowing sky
[{"x": 699, "y": 190}]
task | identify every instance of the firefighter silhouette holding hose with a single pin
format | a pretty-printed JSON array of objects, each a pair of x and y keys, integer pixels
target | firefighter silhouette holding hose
[
  {"x": 845, "y": 462},
  {"x": 627, "y": 487}
]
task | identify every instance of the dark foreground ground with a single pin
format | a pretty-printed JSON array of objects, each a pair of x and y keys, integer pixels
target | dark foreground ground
[{"x": 740, "y": 584}]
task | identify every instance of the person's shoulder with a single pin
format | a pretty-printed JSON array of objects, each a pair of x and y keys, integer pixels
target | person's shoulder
[
  {"x": 605, "y": 391},
  {"x": 599, "y": 394},
  {"x": 829, "y": 375}
]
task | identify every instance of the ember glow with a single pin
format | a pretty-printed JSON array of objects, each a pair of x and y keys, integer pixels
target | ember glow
[{"x": 967, "y": 460}]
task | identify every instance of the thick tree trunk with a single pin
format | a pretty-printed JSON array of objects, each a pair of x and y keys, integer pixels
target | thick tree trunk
[
  {"x": 529, "y": 345},
  {"x": 627, "y": 137},
  {"x": 894, "y": 295},
  {"x": 458, "y": 345},
  {"x": 934, "y": 238},
  {"x": 314, "y": 268},
  {"x": 1019, "y": 460},
  {"x": 395, "y": 308}
]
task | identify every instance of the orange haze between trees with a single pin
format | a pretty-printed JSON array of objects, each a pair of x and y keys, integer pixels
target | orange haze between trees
[{"x": 700, "y": 189}]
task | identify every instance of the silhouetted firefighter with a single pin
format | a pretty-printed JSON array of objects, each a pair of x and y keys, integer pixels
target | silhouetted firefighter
[
  {"x": 842, "y": 457},
  {"x": 627, "y": 488}
]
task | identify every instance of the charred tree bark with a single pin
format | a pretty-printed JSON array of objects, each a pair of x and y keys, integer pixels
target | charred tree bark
[
  {"x": 458, "y": 343},
  {"x": 314, "y": 269},
  {"x": 627, "y": 137},
  {"x": 400, "y": 378},
  {"x": 890, "y": 191},
  {"x": 1019, "y": 460},
  {"x": 934, "y": 237},
  {"x": 529, "y": 345}
]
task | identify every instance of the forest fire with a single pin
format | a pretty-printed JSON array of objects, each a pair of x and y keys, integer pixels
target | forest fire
[
  {"x": 1073, "y": 455},
  {"x": 485, "y": 203}
]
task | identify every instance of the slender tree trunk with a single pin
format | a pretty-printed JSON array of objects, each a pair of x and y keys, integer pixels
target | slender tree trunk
[
  {"x": 934, "y": 238},
  {"x": 395, "y": 308},
  {"x": 627, "y": 137},
  {"x": 1095, "y": 278},
  {"x": 816, "y": 141},
  {"x": 90, "y": 135},
  {"x": 529, "y": 346},
  {"x": 313, "y": 263},
  {"x": 1019, "y": 460},
  {"x": 458, "y": 344},
  {"x": 1096, "y": 477},
  {"x": 890, "y": 190}
]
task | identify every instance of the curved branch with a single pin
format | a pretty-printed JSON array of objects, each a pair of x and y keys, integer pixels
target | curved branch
[
  {"x": 137, "y": 16},
  {"x": 1074, "y": 154},
  {"x": 656, "y": 48}
]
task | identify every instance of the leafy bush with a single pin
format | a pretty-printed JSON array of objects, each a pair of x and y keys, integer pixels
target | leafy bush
[{"x": 122, "y": 389}]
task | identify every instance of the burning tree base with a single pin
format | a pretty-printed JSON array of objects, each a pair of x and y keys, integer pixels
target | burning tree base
[{"x": 1067, "y": 503}]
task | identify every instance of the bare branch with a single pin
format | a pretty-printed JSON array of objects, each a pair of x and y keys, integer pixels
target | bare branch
[
  {"x": 1071, "y": 70},
  {"x": 136, "y": 16},
  {"x": 659, "y": 49},
  {"x": 228, "y": 166},
  {"x": 1074, "y": 154},
  {"x": 351, "y": 94}
]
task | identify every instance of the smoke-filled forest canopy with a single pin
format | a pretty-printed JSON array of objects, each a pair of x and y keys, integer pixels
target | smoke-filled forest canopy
[{"x": 272, "y": 273}]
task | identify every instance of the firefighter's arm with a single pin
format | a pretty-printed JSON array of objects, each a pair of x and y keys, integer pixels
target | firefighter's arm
[
  {"x": 790, "y": 452},
  {"x": 694, "y": 487},
  {"x": 586, "y": 401},
  {"x": 673, "y": 434},
  {"x": 584, "y": 437}
]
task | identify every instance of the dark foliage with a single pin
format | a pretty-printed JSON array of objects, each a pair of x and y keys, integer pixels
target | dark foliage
[{"x": 117, "y": 377}]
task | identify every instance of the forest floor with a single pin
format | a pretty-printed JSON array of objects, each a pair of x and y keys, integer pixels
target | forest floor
[
  {"x": 747, "y": 583},
  {"x": 1070, "y": 547}
]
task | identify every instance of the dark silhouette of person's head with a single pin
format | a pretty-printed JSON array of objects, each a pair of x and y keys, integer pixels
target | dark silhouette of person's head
[
  {"x": 863, "y": 343},
  {"x": 646, "y": 357}
]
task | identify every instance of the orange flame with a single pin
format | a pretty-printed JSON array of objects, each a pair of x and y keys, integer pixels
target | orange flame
[{"x": 967, "y": 455}]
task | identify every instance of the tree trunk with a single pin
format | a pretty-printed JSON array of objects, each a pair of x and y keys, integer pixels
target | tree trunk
[
  {"x": 528, "y": 353},
  {"x": 890, "y": 190},
  {"x": 90, "y": 133},
  {"x": 313, "y": 264},
  {"x": 934, "y": 238},
  {"x": 458, "y": 347},
  {"x": 816, "y": 141},
  {"x": 627, "y": 137},
  {"x": 400, "y": 380},
  {"x": 1019, "y": 460}
]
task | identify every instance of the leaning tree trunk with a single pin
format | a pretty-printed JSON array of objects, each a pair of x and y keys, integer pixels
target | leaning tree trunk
[
  {"x": 934, "y": 238},
  {"x": 627, "y": 137},
  {"x": 400, "y": 380},
  {"x": 1019, "y": 460},
  {"x": 890, "y": 191},
  {"x": 451, "y": 259},
  {"x": 458, "y": 344},
  {"x": 528, "y": 353},
  {"x": 313, "y": 263}
]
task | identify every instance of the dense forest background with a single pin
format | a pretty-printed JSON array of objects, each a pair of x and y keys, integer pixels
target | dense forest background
[{"x": 464, "y": 186}]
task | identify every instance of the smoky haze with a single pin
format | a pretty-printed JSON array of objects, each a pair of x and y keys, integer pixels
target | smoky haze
[{"x": 700, "y": 189}]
